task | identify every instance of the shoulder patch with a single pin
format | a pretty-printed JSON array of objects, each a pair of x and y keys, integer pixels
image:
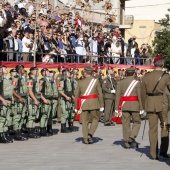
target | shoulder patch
[
  {"x": 60, "y": 85},
  {"x": 14, "y": 83}
]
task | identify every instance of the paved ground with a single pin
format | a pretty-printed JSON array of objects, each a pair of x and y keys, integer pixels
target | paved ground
[{"x": 67, "y": 152}]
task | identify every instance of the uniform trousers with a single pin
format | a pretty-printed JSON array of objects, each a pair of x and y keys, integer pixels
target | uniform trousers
[
  {"x": 128, "y": 130},
  {"x": 108, "y": 113},
  {"x": 4, "y": 117},
  {"x": 153, "y": 134},
  {"x": 59, "y": 110},
  {"x": 45, "y": 114},
  {"x": 86, "y": 115}
]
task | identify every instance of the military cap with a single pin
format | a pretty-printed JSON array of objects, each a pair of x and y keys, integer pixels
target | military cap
[
  {"x": 18, "y": 67},
  {"x": 33, "y": 68},
  {"x": 13, "y": 70},
  {"x": 157, "y": 58},
  {"x": 130, "y": 70},
  {"x": 88, "y": 69},
  {"x": 52, "y": 71},
  {"x": 3, "y": 66},
  {"x": 44, "y": 69}
]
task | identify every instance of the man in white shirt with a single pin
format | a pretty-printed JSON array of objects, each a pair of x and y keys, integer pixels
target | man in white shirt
[
  {"x": 94, "y": 48},
  {"x": 116, "y": 52},
  {"x": 26, "y": 45}
]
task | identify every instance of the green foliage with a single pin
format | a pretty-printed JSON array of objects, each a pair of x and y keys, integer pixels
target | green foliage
[{"x": 161, "y": 42}]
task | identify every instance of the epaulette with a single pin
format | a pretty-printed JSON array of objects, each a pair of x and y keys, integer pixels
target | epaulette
[{"x": 168, "y": 87}]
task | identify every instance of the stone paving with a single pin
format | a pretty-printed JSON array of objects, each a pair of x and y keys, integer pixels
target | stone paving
[{"x": 67, "y": 152}]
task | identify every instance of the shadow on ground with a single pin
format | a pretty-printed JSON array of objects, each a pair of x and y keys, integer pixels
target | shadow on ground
[{"x": 95, "y": 139}]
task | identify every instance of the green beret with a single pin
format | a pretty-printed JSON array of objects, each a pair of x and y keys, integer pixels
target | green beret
[{"x": 33, "y": 68}]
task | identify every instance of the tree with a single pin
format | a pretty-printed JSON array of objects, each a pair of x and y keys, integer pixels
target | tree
[{"x": 161, "y": 42}]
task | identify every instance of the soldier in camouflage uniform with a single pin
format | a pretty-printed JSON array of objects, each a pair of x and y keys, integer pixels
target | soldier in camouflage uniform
[
  {"x": 34, "y": 96},
  {"x": 54, "y": 101},
  {"x": 65, "y": 91},
  {"x": 74, "y": 81},
  {"x": 46, "y": 95},
  {"x": 59, "y": 77},
  {"x": 8, "y": 92}
]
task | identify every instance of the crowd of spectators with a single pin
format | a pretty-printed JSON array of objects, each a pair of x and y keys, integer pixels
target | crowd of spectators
[{"x": 61, "y": 37}]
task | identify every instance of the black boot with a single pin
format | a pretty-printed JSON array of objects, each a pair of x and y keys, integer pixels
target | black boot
[
  {"x": 31, "y": 133},
  {"x": 133, "y": 142},
  {"x": 43, "y": 132},
  {"x": 24, "y": 129},
  {"x": 50, "y": 130},
  {"x": 3, "y": 138},
  {"x": 18, "y": 136},
  {"x": 10, "y": 131},
  {"x": 64, "y": 129},
  {"x": 70, "y": 127}
]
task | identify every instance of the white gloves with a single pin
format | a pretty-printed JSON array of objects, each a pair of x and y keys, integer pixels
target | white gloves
[
  {"x": 117, "y": 114},
  {"x": 116, "y": 111},
  {"x": 113, "y": 91},
  {"x": 75, "y": 110},
  {"x": 142, "y": 112},
  {"x": 101, "y": 109}
]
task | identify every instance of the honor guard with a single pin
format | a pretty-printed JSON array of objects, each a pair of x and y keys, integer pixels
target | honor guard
[
  {"x": 46, "y": 96},
  {"x": 34, "y": 96},
  {"x": 54, "y": 101},
  {"x": 128, "y": 104},
  {"x": 153, "y": 86},
  {"x": 66, "y": 97}
]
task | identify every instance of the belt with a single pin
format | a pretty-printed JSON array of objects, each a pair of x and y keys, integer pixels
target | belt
[
  {"x": 92, "y": 96},
  {"x": 127, "y": 99},
  {"x": 155, "y": 94},
  {"x": 7, "y": 97}
]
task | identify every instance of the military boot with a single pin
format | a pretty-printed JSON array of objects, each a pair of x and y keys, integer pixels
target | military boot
[
  {"x": 64, "y": 129},
  {"x": 72, "y": 128},
  {"x": 43, "y": 132},
  {"x": 24, "y": 129},
  {"x": 3, "y": 138},
  {"x": 10, "y": 131},
  {"x": 90, "y": 138},
  {"x": 18, "y": 136},
  {"x": 132, "y": 141},
  {"x": 50, "y": 130},
  {"x": 31, "y": 133}
]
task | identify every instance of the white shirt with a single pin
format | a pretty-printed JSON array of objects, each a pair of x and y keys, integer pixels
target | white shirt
[
  {"x": 80, "y": 49},
  {"x": 115, "y": 50},
  {"x": 133, "y": 52},
  {"x": 93, "y": 46},
  {"x": 25, "y": 41}
]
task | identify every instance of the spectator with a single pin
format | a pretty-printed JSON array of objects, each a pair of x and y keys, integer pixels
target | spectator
[
  {"x": 132, "y": 42},
  {"x": 116, "y": 52}
]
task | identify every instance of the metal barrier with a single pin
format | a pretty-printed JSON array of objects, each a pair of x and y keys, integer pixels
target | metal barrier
[{"x": 75, "y": 58}]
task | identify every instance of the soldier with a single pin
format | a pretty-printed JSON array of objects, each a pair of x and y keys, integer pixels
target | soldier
[
  {"x": 90, "y": 91},
  {"x": 74, "y": 81},
  {"x": 166, "y": 114},
  {"x": 46, "y": 96},
  {"x": 128, "y": 103},
  {"x": 34, "y": 96},
  {"x": 59, "y": 77},
  {"x": 153, "y": 86},
  {"x": 54, "y": 101},
  {"x": 22, "y": 91},
  {"x": 108, "y": 87},
  {"x": 65, "y": 91},
  {"x": 8, "y": 92}
]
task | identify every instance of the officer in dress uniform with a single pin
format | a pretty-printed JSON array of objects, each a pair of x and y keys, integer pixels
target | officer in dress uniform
[
  {"x": 34, "y": 96},
  {"x": 128, "y": 103},
  {"x": 46, "y": 95},
  {"x": 108, "y": 87},
  {"x": 166, "y": 112},
  {"x": 153, "y": 86},
  {"x": 65, "y": 91},
  {"x": 90, "y": 90}
]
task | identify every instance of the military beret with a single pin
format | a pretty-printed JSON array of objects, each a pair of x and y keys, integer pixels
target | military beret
[
  {"x": 119, "y": 69},
  {"x": 60, "y": 67},
  {"x": 33, "y": 68},
  {"x": 130, "y": 70},
  {"x": 3, "y": 66},
  {"x": 157, "y": 58},
  {"x": 109, "y": 68},
  {"x": 13, "y": 70},
  {"x": 52, "y": 71},
  {"x": 88, "y": 68}
]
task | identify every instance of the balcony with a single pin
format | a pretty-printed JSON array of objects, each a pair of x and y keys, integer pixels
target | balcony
[{"x": 127, "y": 22}]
